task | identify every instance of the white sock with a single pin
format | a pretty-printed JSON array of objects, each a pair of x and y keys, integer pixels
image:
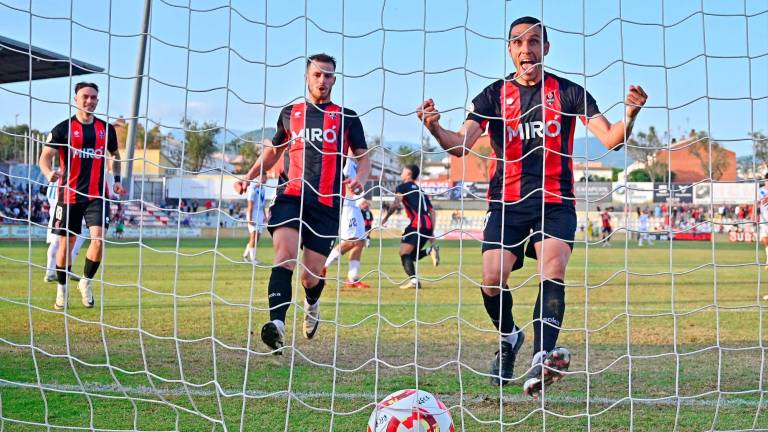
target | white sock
[
  {"x": 247, "y": 252},
  {"x": 280, "y": 326},
  {"x": 332, "y": 257},
  {"x": 354, "y": 269},
  {"x": 252, "y": 254},
  {"x": 512, "y": 337},
  {"x": 51, "y": 264}
]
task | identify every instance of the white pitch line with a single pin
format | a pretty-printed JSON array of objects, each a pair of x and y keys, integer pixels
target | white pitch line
[{"x": 145, "y": 391}]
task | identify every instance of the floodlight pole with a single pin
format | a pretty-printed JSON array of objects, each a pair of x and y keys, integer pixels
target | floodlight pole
[{"x": 136, "y": 100}]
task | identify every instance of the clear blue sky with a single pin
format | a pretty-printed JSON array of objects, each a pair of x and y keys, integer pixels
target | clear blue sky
[{"x": 388, "y": 72}]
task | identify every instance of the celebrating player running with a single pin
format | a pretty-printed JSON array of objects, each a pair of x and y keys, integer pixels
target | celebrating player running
[
  {"x": 530, "y": 117},
  {"x": 318, "y": 135}
]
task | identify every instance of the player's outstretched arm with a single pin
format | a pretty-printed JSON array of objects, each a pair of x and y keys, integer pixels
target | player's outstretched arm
[
  {"x": 456, "y": 143},
  {"x": 613, "y": 135},
  {"x": 46, "y": 163},
  {"x": 392, "y": 208},
  {"x": 264, "y": 163}
]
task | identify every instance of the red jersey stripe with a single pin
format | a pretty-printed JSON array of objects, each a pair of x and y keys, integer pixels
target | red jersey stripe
[
  {"x": 513, "y": 150},
  {"x": 553, "y": 145},
  {"x": 95, "y": 181},
  {"x": 75, "y": 147},
  {"x": 331, "y": 122},
  {"x": 296, "y": 152}
]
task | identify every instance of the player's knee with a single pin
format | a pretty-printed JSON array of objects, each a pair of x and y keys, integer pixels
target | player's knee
[
  {"x": 97, "y": 244},
  {"x": 308, "y": 279},
  {"x": 492, "y": 280}
]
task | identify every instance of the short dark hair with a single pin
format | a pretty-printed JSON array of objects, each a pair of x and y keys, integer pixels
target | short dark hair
[
  {"x": 83, "y": 84},
  {"x": 415, "y": 171},
  {"x": 322, "y": 58},
  {"x": 528, "y": 20}
]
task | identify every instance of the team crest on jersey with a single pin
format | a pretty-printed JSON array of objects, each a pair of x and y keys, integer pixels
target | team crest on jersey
[
  {"x": 332, "y": 115},
  {"x": 550, "y": 97}
]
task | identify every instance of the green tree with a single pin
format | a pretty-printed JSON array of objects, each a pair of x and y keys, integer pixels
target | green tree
[
  {"x": 250, "y": 152},
  {"x": 153, "y": 140},
  {"x": 760, "y": 145},
  {"x": 12, "y": 141},
  {"x": 199, "y": 143},
  {"x": 643, "y": 147}
]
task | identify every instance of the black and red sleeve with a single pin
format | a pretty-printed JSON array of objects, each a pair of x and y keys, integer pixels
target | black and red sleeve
[
  {"x": 355, "y": 133},
  {"x": 484, "y": 105},
  {"x": 282, "y": 132}
]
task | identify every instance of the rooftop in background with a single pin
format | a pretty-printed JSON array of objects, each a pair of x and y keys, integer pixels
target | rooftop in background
[{"x": 14, "y": 63}]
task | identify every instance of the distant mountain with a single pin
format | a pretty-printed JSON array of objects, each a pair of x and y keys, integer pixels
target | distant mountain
[{"x": 593, "y": 150}]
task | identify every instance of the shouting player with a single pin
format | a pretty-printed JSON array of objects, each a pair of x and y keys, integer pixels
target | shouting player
[
  {"x": 255, "y": 215},
  {"x": 318, "y": 136},
  {"x": 352, "y": 233},
  {"x": 420, "y": 228},
  {"x": 82, "y": 143},
  {"x": 530, "y": 116}
]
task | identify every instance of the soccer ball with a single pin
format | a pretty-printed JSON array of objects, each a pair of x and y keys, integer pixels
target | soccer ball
[{"x": 410, "y": 411}]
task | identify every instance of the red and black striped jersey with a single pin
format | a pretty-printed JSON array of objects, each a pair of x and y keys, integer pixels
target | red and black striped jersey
[
  {"x": 82, "y": 157},
  {"x": 416, "y": 204},
  {"x": 318, "y": 139},
  {"x": 531, "y": 130}
]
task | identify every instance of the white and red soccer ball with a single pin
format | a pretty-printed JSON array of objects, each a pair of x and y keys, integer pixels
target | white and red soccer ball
[{"x": 410, "y": 411}]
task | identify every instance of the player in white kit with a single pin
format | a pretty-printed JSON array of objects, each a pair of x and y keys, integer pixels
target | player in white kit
[
  {"x": 762, "y": 196},
  {"x": 52, "y": 194},
  {"x": 642, "y": 223},
  {"x": 352, "y": 232},
  {"x": 255, "y": 216}
]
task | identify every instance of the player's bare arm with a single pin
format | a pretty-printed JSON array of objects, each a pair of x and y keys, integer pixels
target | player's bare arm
[
  {"x": 357, "y": 184},
  {"x": 613, "y": 135},
  {"x": 265, "y": 162},
  {"x": 118, "y": 187},
  {"x": 456, "y": 143},
  {"x": 392, "y": 208},
  {"x": 46, "y": 163}
]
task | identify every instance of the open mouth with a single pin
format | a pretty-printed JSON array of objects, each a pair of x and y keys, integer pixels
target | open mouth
[{"x": 527, "y": 64}]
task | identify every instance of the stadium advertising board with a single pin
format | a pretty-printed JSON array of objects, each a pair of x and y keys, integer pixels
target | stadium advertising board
[
  {"x": 674, "y": 193},
  {"x": 633, "y": 192},
  {"x": 724, "y": 193},
  {"x": 593, "y": 191},
  {"x": 39, "y": 233},
  {"x": 437, "y": 189},
  {"x": 210, "y": 187}
]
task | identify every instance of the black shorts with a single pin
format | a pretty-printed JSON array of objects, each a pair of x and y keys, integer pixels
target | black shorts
[
  {"x": 68, "y": 218},
  {"x": 417, "y": 238},
  {"x": 607, "y": 229},
  {"x": 523, "y": 222},
  {"x": 319, "y": 224}
]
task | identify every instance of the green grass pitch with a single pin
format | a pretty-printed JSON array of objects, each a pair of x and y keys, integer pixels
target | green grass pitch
[{"x": 662, "y": 338}]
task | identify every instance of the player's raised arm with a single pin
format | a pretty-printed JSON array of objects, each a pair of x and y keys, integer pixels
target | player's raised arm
[
  {"x": 268, "y": 158},
  {"x": 613, "y": 135},
  {"x": 392, "y": 208},
  {"x": 456, "y": 143}
]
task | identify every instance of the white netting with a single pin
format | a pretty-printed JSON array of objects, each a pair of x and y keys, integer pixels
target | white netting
[{"x": 665, "y": 338}]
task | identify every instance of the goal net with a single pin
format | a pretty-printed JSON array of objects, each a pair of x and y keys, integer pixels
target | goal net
[{"x": 664, "y": 310}]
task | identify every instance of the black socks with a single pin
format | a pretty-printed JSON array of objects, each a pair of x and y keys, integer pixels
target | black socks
[
  {"x": 313, "y": 294},
  {"x": 548, "y": 315},
  {"x": 89, "y": 271},
  {"x": 499, "y": 309},
  {"x": 279, "y": 293}
]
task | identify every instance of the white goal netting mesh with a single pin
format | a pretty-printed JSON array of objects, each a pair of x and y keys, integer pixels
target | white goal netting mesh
[{"x": 664, "y": 316}]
